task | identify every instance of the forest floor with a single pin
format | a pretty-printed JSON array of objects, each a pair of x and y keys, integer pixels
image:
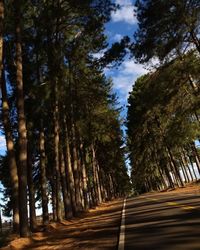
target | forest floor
[{"x": 96, "y": 229}]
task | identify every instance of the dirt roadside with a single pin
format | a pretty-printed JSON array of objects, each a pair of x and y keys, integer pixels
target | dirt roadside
[{"x": 98, "y": 229}]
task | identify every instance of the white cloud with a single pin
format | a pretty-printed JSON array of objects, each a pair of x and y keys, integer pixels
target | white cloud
[
  {"x": 126, "y": 12},
  {"x": 99, "y": 54},
  {"x": 117, "y": 37},
  {"x": 125, "y": 77},
  {"x": 130, "y": 67},
  {"x": 123, "y": 84}
]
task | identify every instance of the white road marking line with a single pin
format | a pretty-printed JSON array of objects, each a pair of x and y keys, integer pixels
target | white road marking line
[{"x": 122, "y": 229}]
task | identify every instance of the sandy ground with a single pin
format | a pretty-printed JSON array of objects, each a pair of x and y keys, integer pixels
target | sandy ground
[{"x": 97, "y": 229}]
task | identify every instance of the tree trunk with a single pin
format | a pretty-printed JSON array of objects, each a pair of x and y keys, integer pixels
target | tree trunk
[
  {"x": 103, "y": 177},
  {"x": 69, "y": 171},
  {"x": 184, "y": 172},
  {"x": 175, "y": 178},
  {"x": 76, "y": 170},
  {"x": 80, "y": 175},
  {"x": 66, "y": 195},
  {"x": 95, "y": 187},
  {"x": 56, "y": 153},
  {"x": 100, "y": 182},
  {"x": 196, "y": 157},
  {"x": 184, "y": 157},
  {"x": 84, "y": 178},
  {"x": 192, "y": 166},
  {"x": 111, "y": 187},
  {"x": 96, "y": 175},
  {"x": 43, "y": 178},
  {"x": 162, "y": 178},
  {"x": 175, "y": 167},
  {"x": 22, "y": 133},
  {"x": 31, "y": 191},
  {"x": 167, "y": 173},
  {"x": 53, "y": 195}
]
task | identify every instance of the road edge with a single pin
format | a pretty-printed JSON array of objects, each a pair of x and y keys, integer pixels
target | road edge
[{"x": 122, "y": 228}]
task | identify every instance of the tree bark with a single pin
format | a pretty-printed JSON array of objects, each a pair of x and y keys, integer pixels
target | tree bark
[
  {"x": 53, "y": 195},
  {"x": 68, "y": 166},
  {"x": 56, "y": 153},
  {"x": 84, "y": 178},
  {"x": 22, "y": 132},
  {"x": 76, "y": 170},
  {"x": 103, "y": 191},
  {"x": 95, "y": 185},
  {"x": 65, "y": 192},
  {"x": 43, "y": 178},
  {"x": 184, "y": 172},
  {"x": 162, "y": 178},
  {"x": 196, "y": 156},
  {"x": 192, "y": 166},
  {"x": 31, "y": 190},
  {"x": 177, "y": 173},
  {"x": 184, "y": 157}
]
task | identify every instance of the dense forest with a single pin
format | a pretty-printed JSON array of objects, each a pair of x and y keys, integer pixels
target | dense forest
[
  {"x": 164, "y": 105},
  {"x": 65, "y": 147}
]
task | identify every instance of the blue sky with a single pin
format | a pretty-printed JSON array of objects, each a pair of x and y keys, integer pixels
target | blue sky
[
  {"x": 2, "y": 144},
  {"x": 123, "y": 23}
]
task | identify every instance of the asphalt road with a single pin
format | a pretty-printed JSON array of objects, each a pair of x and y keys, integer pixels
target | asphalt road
[{"x": 167, "y": 221}]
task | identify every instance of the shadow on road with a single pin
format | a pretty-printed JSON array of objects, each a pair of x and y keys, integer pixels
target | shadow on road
[{"x": 155, "y": 225}]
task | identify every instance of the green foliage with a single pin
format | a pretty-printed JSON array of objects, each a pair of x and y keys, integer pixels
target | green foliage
[
  {"x": 59, "y": 39},
  {"x": 161, "y": 115},
  {"x": 166, "y": 28}
]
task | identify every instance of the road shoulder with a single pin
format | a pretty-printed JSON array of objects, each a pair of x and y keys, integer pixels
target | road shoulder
[{"x": 97, "y": 229}]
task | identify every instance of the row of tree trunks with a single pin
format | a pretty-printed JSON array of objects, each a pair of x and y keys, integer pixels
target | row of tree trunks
[
  {"x": 66, "y": 176},
  {"x": 170, "y": 176},
  {"x": 72, "y": 173}
]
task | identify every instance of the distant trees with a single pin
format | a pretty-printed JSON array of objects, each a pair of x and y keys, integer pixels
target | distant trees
[
  {"x": 163, "y": 123},
  {"x": 163, "y": 106},
  {"x": 63, "y": 136}
]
